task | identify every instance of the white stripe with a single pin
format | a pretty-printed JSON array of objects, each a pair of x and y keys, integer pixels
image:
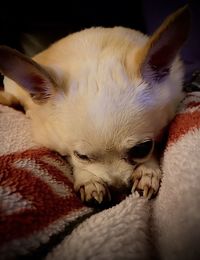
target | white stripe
[
  {"x": 12, "y": 202},
  {"x": 58, "y": 187}
]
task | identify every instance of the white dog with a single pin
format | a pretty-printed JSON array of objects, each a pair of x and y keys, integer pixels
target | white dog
[{"x": 102, "y": 96}]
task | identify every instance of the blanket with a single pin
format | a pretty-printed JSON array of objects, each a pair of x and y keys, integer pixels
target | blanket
[
  {"x": 41, "y": 217},
  {"x": 37, "y": 200}
]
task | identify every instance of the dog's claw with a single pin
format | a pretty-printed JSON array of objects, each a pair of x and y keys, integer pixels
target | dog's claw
[
  {"x": 95, "y": 196},
  {"x": 94, "y": 191},
  {"x": 100, "y": 197},
  {"x": 151, "y": 192},
  {"x": 146, "y": 180},
  {"x": 82, "y": 193},
  {"x": 135, "y": 185},
  {"x": 145, "y": 191}
]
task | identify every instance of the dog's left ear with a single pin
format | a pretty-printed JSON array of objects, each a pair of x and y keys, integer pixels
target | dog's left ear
[
  {"x": 156, "y": 57},
  {"x": 30, "y": 75}
]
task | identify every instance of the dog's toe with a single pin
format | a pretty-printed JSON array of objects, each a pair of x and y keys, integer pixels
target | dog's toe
[
  {"x": 146, "y": 181},
  {"x": 94, "y": 192}
]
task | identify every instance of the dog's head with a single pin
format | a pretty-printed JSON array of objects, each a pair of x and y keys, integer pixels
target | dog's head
[{"x": 115, "y": 91}]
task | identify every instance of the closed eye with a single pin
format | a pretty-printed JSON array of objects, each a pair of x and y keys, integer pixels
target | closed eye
[
  {"x": 83, "y": 157},
  {"x": 140, "y": 151}
]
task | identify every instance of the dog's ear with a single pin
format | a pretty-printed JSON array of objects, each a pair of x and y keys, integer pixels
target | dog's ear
[
  {"x": 27, "y": 73},
  {"x": 156, "y": 57}
]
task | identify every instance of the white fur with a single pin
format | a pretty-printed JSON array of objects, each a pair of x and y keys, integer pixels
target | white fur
[{"x": 99, "y": 109}]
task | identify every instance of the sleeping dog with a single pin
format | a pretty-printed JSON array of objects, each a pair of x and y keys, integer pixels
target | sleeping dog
[{"x": 102, "y": 96}]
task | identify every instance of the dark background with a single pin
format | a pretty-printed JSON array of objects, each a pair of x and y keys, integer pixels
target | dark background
[
  {"x": 30, "y": 26},
  {"x": 58, "y": 19}
]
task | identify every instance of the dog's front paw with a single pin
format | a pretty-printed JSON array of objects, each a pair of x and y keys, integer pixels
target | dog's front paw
[
  {"x": 146, "y": 179},
  {"x": 94, "y": 192}
]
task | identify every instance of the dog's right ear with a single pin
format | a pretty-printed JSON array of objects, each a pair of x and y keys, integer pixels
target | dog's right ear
[
  {"x": 155, "y": 59},
  {"x": 27, "y": 73}
]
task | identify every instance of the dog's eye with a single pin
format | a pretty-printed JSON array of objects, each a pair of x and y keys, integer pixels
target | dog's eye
[
  {"x": 141, "y": 150},
  {"x": 81, "y": 156}
]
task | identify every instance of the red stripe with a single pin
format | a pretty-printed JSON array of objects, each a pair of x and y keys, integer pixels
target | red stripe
[
  {"x": 193, "y": 104},
  {"x": 182, "y": 124},
  {"x": 48, "y": 205}
]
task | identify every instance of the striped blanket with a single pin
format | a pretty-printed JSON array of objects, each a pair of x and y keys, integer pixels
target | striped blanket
[{"x": 41, "y": 217}]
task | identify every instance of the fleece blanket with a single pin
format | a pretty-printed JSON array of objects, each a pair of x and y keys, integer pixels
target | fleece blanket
[
  {"x": 167, "y": 227},
  {"x": 37, "y": 200},
  {"x": 41, "y": 217}
]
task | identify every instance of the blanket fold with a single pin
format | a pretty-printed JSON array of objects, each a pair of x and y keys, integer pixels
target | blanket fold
[
  {"x": 121, "y": 232},
  {"x": 177, "y": 208}
]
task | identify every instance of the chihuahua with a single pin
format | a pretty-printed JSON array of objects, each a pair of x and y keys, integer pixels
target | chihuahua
[{"x": 102, "y": 96}]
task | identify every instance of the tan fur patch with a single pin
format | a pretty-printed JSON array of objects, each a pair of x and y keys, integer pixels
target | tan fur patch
[{"x": 7, "y": 99}]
